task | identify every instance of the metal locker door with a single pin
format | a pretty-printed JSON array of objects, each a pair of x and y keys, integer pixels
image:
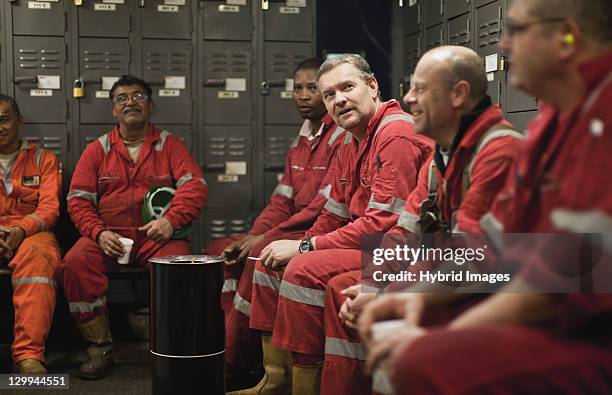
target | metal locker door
[
  {"x": 45, "y": 18},
  {"x": 219, "y": 224},
  {"x": 289, "y": 23},
  {"x": 224, "y": 21},
  {"x": 457, "y": 7},
  {"x": 166, "y": 19},
  {"x": 183, "y": 132},
  {"x": 278, "y": 139},
  {"x": 480, "y": 3},
  {"x": 40, "y": 78},
  {"x": 517, "y": 100},
  {"x": 488, "y": 36},
  {"x": 271, "y": 179},
  {"x": 228, "y": 166},
  {"x": 459, "y": 31},
  {"x": 227, "y": 78},
  {"x": 51, "y": 137},
  {"x": 412, "y": 53},
  {"x": 520, "y": 120},
  {"x": 280, "y": 62},
  {"x": 166, "y": 66},
  {"x": 101, "y": 62},
  {"x": 90, "y": 133},
  {"x": 434, "y": 37},
  {"x": 98, "y": 19},
  {"x": 433, "y": 12},
  {"x": 412, "y": 17}
]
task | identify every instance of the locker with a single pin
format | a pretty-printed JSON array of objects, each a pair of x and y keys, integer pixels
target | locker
[
  {"x": 459, "y": 31},
  {"x": 433, "y": 11},
  {"x": 480, "y": 3},
  {"x": 101, "y": 62},
  {"x": 228, "y": 165},
  {"x": 166, "y": 66},
  {"x": 520, "y": 120},
  {"x": 45, "y": 18},
  {"x": 412, "y": 17},
  {"x": 412, "y": 53},
  {"x": 51, "y": 137},
  {"x": 517, "y": 100},
  {"x": 223, "y": 223},
  {"x": 434, "y": 37},
  {"x": 162, "y": 20},
  {"x": 99, "y": 19},
  {"x": 90, "y": 133},
  {"x": 223, "y": 21},
  {"x": 278, "y": 139},
  {"x": 288, "y": 23},
  {"x": 271, "y": 178},
  {"x": 488, "y": 35},
  {"x": 40, "y": 78},
  {"x": 280, "y": 62},
  {"x": 457, "y": 7},
  {"x": 183, "y": 132},
  {"x": 227, "y": 79}
]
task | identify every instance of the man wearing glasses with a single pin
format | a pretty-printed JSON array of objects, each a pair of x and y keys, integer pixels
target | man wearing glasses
[{"x": 105, "y": 203}]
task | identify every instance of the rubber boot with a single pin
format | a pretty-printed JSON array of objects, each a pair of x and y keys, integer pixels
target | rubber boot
[
  {"x": 97, "y": 334},
  {"x": 30, "y": 366},
  {"x": 277, "y": 376},
  {"x": 306, "y": 380}
]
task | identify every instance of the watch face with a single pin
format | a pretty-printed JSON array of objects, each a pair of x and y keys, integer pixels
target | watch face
[{"x": 304, "y": 245}]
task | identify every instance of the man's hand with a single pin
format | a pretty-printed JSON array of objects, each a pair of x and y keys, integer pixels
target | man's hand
[
  {"x": 277, "y": 254},
  {"x": 110, "y": 244},
  {"x": 354, "y": 305},
  {"x": 159, "y": 230},
  {"x": 10, "y": 240},
  {"x": 384, "y": 350},
  {"x": 239, "y": 249}
]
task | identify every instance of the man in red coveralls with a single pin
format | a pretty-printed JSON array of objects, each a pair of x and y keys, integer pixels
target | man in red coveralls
[
  {"x": 293, "y": 208},
  {"x": 105, "y": 202},
  {"x": 474, "y": 151},
  {"x": 29, "y": 206},
  {"x": 532, "y": 343},
  {"x": 376, "y": 168}
]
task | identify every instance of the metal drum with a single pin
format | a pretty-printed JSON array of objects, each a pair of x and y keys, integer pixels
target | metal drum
[{"x": 187, "y": 330}]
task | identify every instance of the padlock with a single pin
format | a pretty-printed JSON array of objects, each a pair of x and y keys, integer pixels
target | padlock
[
  {"x": 78, "y": 89},
  {"x": 78, "y": 2}
]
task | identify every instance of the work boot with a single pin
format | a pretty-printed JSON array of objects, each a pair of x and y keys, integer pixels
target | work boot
[
  {"x": 97, "y": 334},
  {"x": 139, "y": 322},
  {"x": 277, "y": 367},
  {"x": 306, "y": 380},
  {"x": 30, "y": 366}
]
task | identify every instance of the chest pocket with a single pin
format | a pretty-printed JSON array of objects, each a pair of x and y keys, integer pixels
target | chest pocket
[{"x": 26, "y": 192}]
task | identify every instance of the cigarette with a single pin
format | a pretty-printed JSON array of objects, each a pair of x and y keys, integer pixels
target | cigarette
[{"x": 254, "y": 258}]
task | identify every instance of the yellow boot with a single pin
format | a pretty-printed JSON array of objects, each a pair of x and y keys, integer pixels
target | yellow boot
[
  {"x": 97, "y": 334},
  {"x": 30, "y": 366},
  {"x": 277, "y": 377},
  {"x": 306, "y": 380}
]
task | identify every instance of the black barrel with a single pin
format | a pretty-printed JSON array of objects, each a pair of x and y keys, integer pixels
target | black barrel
[{"x": 187, "y": 330}]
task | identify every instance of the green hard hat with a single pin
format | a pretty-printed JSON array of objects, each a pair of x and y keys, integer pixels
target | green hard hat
[{"x": 156, "y": 203}]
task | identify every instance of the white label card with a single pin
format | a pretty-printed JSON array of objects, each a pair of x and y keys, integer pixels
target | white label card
[
  {"x": 412, "y": 3},
  {"x": 236, "y": 2},
  {"x": 102, "y": 94},
  {"x": 114, "y": 1},
  {"x": 286, "y": 95},
  {"x": 174, "y": 2},
  {"x": 490, "y": 77},
  {"x": 167, "y": 8},
  {"x": 39, "y": 5},
  {"x": 169, "y": 93},
  {"x": 227, "y": 95},
  {"x": 107, "y": 82},
  {"x": 289, "y": 84},
  {"x": 104, "y": 7},
  {"x": 48, "y": 81},
  {"x": 236, "y": 168},
  {"x": 174, "y": 82},
  {"x": 235, "y": 84},
  {"x": 41, "y": 92},
  {"x": 289, "y": 10},
  {"x": 228, "y": 8},
  {"x": 491, "y": 63},
  {"x": 296, "y": 3},
  {"x": 227, "y": 178}
]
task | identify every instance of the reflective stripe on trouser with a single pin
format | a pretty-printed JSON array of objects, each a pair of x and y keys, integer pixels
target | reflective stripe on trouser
[
  {"x": 299, "y": 322},
  {"x": 231, "y": 274},
  {"x": 343, "y": 369},
  {"x": 34, "y": 279},
  {"x": 83, "y": 270},
  {"x": 264, "y": 298},
  {"x": 242, "y": 344}
]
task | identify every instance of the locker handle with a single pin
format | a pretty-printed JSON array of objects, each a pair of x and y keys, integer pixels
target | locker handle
[
  {"x": 18, "y": 80},
  {"x": 274, "y": 167},
  {"x": 156, "y": 82},
  {"x": 275, "y": 83},
  {"x": 141, "y": 3},
  {"x": 214, "y": 167},
  {"x": 215, "y": 83}
]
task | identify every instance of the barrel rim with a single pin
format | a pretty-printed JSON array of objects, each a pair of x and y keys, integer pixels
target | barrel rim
[{"x": 187, "y": 259}]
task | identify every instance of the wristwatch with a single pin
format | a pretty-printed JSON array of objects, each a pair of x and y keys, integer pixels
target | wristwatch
[{"x": 305, "y": 245}]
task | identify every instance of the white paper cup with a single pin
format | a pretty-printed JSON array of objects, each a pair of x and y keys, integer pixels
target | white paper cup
[{"x": 127, "y": 247}]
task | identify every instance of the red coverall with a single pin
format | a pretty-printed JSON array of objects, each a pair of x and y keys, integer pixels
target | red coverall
[
  {"x": 560, "y": 183},
  {"x": 30, "y": 199},
  {"x": 489, "y": 153},
  {"x": 106, "y": 193},
  {"x": 366, "y": 196}
]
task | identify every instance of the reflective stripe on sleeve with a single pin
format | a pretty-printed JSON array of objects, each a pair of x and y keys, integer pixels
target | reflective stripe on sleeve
[
  {"x": 78, "y": 193},
  {"x": 30, "y": 280}
]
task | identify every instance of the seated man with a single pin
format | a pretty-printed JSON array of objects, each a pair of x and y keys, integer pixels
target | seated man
[
  {"x": 29, "y": 202},
  {"x": 105, "y": 203}
]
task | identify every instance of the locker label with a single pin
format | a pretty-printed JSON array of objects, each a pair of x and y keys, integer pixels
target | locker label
[
  {"x": 286, "y": 95},
  {"x": 39, "y": 5},
  {"x": 104, "y": 7},
  {"x": 167, "y": 8},
  {"x": 107, "y": 82},
  {"x": 174, "y": 82},
  {"x": 235, "y": 84},
  {"x": 490, "y": 77},
  {"x": 114, "y": 1},
  {"x": 169, "y": 93},
  {"x": 236, "y": 168},
  {"x": 174, "y": 2},
  {"x": 296, "y": 3},
  {"x": 289, "y": 10},
  {"x": 102, "y": 94},
  {"x": 491, "y": 63},
  {"x": 41, "y": 92},
  {"x": 227, "y": 178},
  {"x": 289, "y": 84},
  {"x": 48, "y": 81},
  {"x": 51, "y": 1},
  {"x": 412, "y": 3},
  {"x": 228, "y": 8},
  {"x": 236, "y": 2},
  {"x": 227, "y": 95}
]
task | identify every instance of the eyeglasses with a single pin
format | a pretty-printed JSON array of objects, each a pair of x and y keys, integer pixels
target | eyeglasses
[
  {"x": 512, "y": 28},
  {"x": 137, "y": 97}
]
